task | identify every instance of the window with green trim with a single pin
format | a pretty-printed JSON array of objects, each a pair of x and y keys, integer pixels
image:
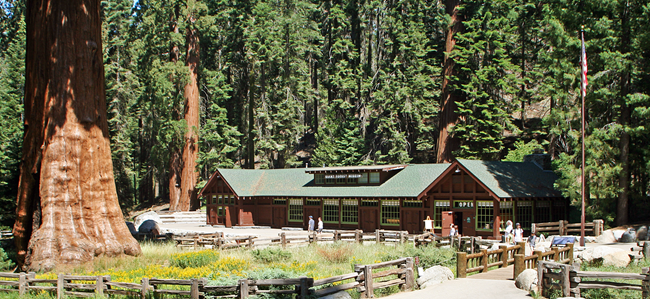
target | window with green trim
[
  {"x": 484, "y": 215},
  {"x": 221, "y": 212},
  {"x": 295, "y": 210},
  {"x": 369, "y": 203},
  {"x": 543, "y": 211},
  {"x": 279, "y": 201},
  {"x": 525, "y": 213},
  {"x": 390, "y": 212},
  {"x": 374, "y": 177},
  {"x": 313, "y": 202},
  {"x": 352, "y": 180},
  {"x": 364, "y": 178},
  {"x": 214, "y": 199},
  {"x": 331, "y": 180},
  {"x": 439, "y": 206},
  {"x": 232, "y": 199},
  {"x": 350, "y": 211},
  {"x": 319, "y": 178},
  {"x": 507, "y": 213},
  {"x": 331, "y": 210},
  {"x": 412, "y": 204},
  {"x": 220, "y": 199}
]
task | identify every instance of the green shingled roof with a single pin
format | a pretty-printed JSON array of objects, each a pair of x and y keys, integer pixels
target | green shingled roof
[
  {"x": 409, "y": 182},
  {"x": 513, "y": 179},
  {"x": 504, "y": 179}
]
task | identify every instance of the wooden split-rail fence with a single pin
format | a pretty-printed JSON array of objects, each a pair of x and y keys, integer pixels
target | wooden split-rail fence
[
  {"x": 484, "y": 260},
  {"x": 284, "y": 239},
  {"x": 365, "y": 279},
  {"x": 563, "y": 227},
  {"x": 570, "y": 281}
]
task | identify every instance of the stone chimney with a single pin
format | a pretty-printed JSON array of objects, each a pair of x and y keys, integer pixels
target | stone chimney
[{"x": 540, "y": 159}]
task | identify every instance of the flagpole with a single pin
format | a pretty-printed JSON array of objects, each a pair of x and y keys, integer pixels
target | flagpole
[{"x": 583, "y": 90}]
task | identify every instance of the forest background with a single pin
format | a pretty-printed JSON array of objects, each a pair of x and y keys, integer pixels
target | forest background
[{"x": 291, "y": 83}]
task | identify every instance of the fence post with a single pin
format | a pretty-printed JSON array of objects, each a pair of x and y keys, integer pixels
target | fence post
[
  {"x": 410, "y": 275},
  {"x": 367, "y": 272},
  {"x": 283, "y": 240},
  {"x": 520, "y": 265},
  {"x": 145, "y": 288},
  {"x": 532, "y": 228},
  {"x": 540, "y": 276},
  {"x": 60, "y": 283},
  {"x": 570, "y": 253},
  {"x": 22, "y": 281},
  {"x": 645, "y": 283},
  {"x": 336, "y": 235},
  {"x": 358, "y": 235},
  {"x": 562, "y": 230},
  {"x": 646, "y": 249},
  {"x": 556, "y": 254},
  {"x": 566, "y": 282},
  {"x": 461, "y": 264},
  {"x": 303, "y": 288},
  {"x": 194, "y": 289},
  {"x": 484, "y": 260},
  {"x": 99, "y": 285},
  {"x": 250, "y": 242},
  {"x": 243, "y": 288},
  {"x": 504, "y": 255},
  {"x": 522, "y": 248},
  {"x": 196, "y": 242},
  {"x": 377, "y": 236}
]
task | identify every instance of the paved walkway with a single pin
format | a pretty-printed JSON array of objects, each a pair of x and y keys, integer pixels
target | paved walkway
[
  {"x": 464, "y": 288},
  {"x": 496, "y": 274}
]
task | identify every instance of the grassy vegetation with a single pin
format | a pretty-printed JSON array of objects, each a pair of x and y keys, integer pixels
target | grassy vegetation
[
  {"x": 226, "y": 267},
  {"x": 634, "y": 267}
]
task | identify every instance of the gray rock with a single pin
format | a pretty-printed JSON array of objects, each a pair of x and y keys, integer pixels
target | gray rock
[
  {"x": 617, "y": 259},
  {"x": 606, "y": 237},
  {"x": 131, "y": 227},
  {"x": 595, "y": 253},
  {"x": 146, "y": 216},
  {"x": 527, "y": 280},
  {"x": 149, "y": 227},
  {"x": 628, "y": 237},
  {"x": 434, "y": 275},
  {"x": 339, "y": 295},
  {"x": 642, "y": 233}
]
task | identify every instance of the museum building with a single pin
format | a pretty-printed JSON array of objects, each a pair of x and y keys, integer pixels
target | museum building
[{"x": 481, "y": 196}]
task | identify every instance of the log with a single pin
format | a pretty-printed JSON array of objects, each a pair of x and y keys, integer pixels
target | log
[
  {"x": 335, "y": 289},
  {"x": 386, "y": 284},
  {"x": 608, "y": 285},
  {"x": 461, "y": 264},
  {"x": 610, "y": 275},
  {"x": 218, "y": 289},
  {"x": 243, "y": 288},
  {"x": 396, "y": 262},
  {"x": 335, "y": 279},
  {"x": 180, "y": 282},
  {"x": 367, "y": 271}
]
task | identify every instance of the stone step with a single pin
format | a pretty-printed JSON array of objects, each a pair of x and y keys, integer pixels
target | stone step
[{"x": 184, "y": 217}]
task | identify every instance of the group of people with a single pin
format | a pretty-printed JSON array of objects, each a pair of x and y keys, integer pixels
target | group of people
[
  {"x": 512, "y": 236},
  {"x": 310, "y": 226}
]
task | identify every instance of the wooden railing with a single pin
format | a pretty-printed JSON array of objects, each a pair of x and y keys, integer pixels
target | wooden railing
[
  {"x": 570, "y": 281},
  {"x": 563, "y": 227},
  {"x": 486, "y": 259},
  {"x": 367, "y": 278},
  {"x": 218, "y": 241},
  {"x": 562, "y": 255}
]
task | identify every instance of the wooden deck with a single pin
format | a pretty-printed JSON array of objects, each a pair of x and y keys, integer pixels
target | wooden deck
[{"x": 497, "y": 274}]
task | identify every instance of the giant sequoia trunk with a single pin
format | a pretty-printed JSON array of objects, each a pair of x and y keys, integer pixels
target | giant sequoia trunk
[
  {"x": 68, "y": 210},
  {"x": 448, "y": 116}
]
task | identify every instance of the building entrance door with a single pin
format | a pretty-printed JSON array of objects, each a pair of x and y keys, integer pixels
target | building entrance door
[
  {"x": 368, "y": 219},
  {"x": 412, "y": 221},
  {"x": 279, "y": 216},
  {"x": 447, "y": 219}
]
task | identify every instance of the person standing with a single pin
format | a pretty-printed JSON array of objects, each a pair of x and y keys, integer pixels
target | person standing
[
  {"x": 508, "y": 232},
  {"x": 519, "y": 233},
  {"x": 310, "y": 225},
  {"x": 531, "y": 240},
  {"x": 320, "y": 225},
  {"x": 452, "y": 230}
]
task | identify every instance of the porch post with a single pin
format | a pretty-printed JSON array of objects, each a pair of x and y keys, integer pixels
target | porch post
[{"x": 496, "y": 211}]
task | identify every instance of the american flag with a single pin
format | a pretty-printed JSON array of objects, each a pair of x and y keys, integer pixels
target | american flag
[{"x": 583, "y": 63}]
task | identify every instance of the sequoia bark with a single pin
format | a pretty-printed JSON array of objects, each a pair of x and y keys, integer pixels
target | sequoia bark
[{"x": 68, "y": 210}]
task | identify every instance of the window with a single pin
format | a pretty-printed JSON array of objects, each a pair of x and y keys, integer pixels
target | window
[
  {"x": 559, "y": 210},
  {"x": 295, "y": 210},
  {"x": 439, "y": 207},
  {"x": 319, "y": 178},
  {"x": 330, "y": 180},
  {"x": 543, "y": 211},
  {"x": 463, "y": 204},
  {"x": 390, "y": 212},
  {"x": 412, "y": 204},
  {"x": 369, "y": 203},
  {"x": 331, "y": 210},
  {"x": 525, "y": 213},
  {"x": 221, "y": 212},
  {"x": 484, "y": 215},
  {"x": 313, "y": 202},
  {"x": 507, "y": 213},
  {"x": 220, "y": 199},
  {"x": 352, "y": 180},
  {"x": 214, "y": 198},
  {"x": 341, "y": 179},
  {"x": 350, "y": 211},
  {"x": 364, "y": 178},
  {"x": 279, "y": 201},
  {"x": 374, "y": 177}
]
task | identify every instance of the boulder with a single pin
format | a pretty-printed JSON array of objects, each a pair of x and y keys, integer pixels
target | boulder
[
  {"x": 527, "y": 280},
  {"x": 606, "y": 237},
  {"x": 149, "y": 227},
  {"x": 339, "y": 295},
  {"x": 146, "y": 216},
  {"x": 642, "y": 233},
  {"x": 617, "y": 259},
  {"x": 131, "y": 227},
  {"x": 618, "y": 233},
  {"x": 628, "y": 236},
  {"x": 594, "y": 253},
  {"x": 434, "y": 275}
]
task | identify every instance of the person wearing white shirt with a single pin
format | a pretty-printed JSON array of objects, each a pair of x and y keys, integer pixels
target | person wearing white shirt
[
  {"x": 508, "y": 232},
  {"x": 519, "y": 233}
]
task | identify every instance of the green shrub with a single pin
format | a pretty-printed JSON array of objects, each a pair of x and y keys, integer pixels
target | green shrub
[
  {"x": 5, "y": 262},
  {"x": 194, "y": 259},
  {"x": 268, "y": 255}
]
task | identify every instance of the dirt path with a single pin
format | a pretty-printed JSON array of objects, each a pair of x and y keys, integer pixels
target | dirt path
[{"x": 464, "y": 288}]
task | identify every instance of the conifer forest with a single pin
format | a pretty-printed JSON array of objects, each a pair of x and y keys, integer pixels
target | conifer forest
[{"x": 193, "y": 85}]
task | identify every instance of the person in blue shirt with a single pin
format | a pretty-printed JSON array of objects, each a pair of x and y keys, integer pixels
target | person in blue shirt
[{"x": 310, "y": 227}]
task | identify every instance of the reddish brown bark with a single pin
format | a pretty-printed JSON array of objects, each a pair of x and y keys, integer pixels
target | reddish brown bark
[
  {"x": 68, "y": 210},
  {"x": 448, "y": 117}
]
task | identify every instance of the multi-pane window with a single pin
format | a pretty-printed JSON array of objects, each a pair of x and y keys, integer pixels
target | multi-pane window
[
  {"x": 232, "y": 199},
  {"x": 313, "y": 202},
  {"x": 412, "y": 203},
  {"x": 439, "y": 207},
  {"x": 279, "y": 201},
  {"x": 295, "y": 210},
  {"x": 341, "y": 179},
  {"x": 331, "y": 210},
  {"x": 484, "y": 214},
  {"x": 330, "y": 180},
  {"x": 352, "y": 179},
  {"x": 350, "y": 211},
  {"x": 220, "y": 199},
  {"x": 525, "y": 213},
  {"x": 543, "y": 211},
  {"x": 364, "y": 178},
  {"x": 507, "y": 212},
  {"x": 319, "y": 178},
  {"x": 369, "y": 203},
  {"x": 374, "y": 177},
  {"x": 214, "y": 199},
  {"x": 390, "y": 212}
]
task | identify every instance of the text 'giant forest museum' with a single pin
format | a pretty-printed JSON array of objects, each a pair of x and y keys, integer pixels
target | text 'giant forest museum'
[{"x": 482, "y": 195}]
